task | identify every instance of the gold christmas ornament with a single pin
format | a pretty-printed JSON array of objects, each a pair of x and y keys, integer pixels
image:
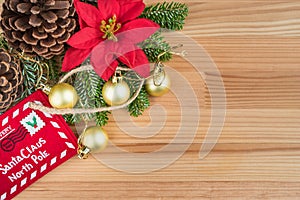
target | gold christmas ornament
[
  {"x": 62, "y": 96},
  {"x": 93, "y": 139},
  {"x": 115, "y": 93},
  {"x": 155, "y": 89}
]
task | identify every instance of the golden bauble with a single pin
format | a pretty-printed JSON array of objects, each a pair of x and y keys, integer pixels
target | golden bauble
[
  {"x": 94, "y": 138},
  {"x": 62, "y": 96},
  {"x": 161, "y": 89},
  {"x": 115, "y": 93}
]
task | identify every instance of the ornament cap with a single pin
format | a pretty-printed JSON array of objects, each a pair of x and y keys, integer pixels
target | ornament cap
[
  {"x": 117, "y": 78},
  {"x": 159, "y": 74},
  {"x": 83, "y": 152},
  {"x": 46, "y": 89}
]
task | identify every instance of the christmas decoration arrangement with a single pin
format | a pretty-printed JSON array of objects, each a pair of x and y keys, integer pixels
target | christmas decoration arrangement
[{"x": 63, "y": 62}]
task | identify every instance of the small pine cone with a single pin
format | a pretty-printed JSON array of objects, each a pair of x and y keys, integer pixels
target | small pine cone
[
  {"x": 11, "y": 80},
  {"x": 38, "y": 27}
]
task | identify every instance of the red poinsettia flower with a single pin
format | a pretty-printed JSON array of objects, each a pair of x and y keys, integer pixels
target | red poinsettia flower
[{"x": 109, "y": 34}]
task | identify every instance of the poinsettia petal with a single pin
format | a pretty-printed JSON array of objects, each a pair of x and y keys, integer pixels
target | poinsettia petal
[
  {"x": 123, "y": 2},
  {"x": 82, "y": 24},
  {"x": 74, "y": 57},
  {"x": 130, "y": 11},
  {"x": 89, "y": 14},
  {"x": 108, "y": 8},
  {"x": 109, "y": 72},
  {"x": 141, "y": 64},
  {"x": 127, "y": 58},
  {"x": 86, "y": 38},
  {"x": 103, "y": 57},
  {"x": 137, "y": 60},
  {"x": 137, "y": 30}
]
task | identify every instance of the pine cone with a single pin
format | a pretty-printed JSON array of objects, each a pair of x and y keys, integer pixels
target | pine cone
[
  {"x": 38, "y": 26},
  {"x": 11, "y": 80}
]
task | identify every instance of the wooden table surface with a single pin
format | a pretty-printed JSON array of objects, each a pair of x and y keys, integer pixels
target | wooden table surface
[{"x": 256, "y": 46}]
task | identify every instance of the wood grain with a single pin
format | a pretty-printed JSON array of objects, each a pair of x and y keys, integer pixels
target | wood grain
[{"x": 256, "y": 47}]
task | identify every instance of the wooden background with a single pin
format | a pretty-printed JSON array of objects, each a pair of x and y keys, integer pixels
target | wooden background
[{"x": 256, "y": 46}]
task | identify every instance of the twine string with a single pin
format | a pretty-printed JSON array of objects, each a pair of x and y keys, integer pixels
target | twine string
[
  {"x": 88, "y": 67},
  {"x": 74, "y": 71},
  {"x": 73, "y": 111}
]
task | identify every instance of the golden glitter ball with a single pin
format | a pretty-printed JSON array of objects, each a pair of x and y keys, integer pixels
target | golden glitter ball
[
  {"x": 158, "y": 90},
  {"x": 115, "y": 93},
  {"x": 62, "y": 96},
  {"x": 94, "y": 138}
]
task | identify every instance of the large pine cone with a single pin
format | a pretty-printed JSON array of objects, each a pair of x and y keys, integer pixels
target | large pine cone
[
  {"x": 11, "y": 80},
  {"x": 38, "y": 26}
]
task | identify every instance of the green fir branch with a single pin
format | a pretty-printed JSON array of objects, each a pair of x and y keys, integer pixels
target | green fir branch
[
  {"x": 154, "y": 46},
  {"x": 169, "y": 15},
  {"x": 54, "y": 67},
  {"x": 133, "y": 80},
  {"x": 72, "y": 119},
  {"x": 101, "y": 117},
  {"x": 89, "y": 89},
  {"x": 142, "y": 102},
  {"x": 30, "y": 72},
  {"x": 86, "y": 83},
  {"x": 3, "y": 42}
]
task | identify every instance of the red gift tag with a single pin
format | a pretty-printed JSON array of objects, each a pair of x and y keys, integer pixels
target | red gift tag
[{"x": 32, "y": 143}]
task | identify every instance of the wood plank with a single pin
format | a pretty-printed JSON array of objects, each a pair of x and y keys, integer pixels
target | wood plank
[{"x": 256, "y": 46}]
